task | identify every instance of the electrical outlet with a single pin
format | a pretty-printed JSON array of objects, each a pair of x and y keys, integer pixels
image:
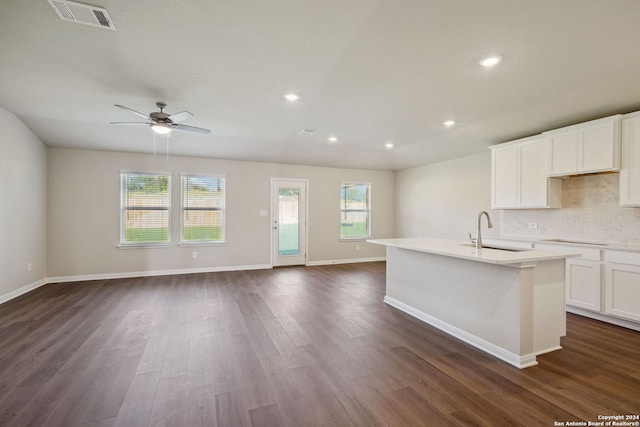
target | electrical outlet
[
  {"x": 194, "y": 255},
  {"x": 357, "y": 247},
  {"x": 533, "y": 225},
  {"x": 29, "y": 266}
]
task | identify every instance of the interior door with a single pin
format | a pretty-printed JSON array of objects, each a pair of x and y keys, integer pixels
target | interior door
[{"x": 288, "y": 222}]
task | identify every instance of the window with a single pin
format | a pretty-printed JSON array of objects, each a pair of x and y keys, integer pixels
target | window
[
  {"x": 146, "y": 205},
  {"x": 355, "y": 210},
  {"x": 202, "y": 209}
]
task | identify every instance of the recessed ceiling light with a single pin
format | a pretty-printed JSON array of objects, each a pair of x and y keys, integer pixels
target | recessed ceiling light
[
  {"x": 291, "y": 96},
  {"x": 332, "y": 139},
  {"x": 490, "y": 61},
  {"x": 389, "y": 145},
  {"x": 449, "y": 123}
]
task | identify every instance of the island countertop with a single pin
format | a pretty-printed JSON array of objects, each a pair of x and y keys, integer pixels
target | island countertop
[{"x": 463, "y": 250}]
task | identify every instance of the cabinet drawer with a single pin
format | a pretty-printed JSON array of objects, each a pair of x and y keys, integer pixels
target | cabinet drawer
[{"x": 622, "y": 257}]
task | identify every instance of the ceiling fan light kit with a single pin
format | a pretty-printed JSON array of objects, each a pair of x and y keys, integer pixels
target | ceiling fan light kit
[{"x": 160, "y": 129}]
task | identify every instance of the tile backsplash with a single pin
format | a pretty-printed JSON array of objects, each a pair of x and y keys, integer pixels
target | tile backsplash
[{"x": 590, "y": 212}]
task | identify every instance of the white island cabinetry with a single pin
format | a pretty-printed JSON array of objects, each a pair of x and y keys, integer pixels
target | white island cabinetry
[{"x": 507, "y": 303}]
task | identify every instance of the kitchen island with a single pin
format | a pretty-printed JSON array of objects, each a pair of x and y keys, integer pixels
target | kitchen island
[{"x": 509, "y": 303}]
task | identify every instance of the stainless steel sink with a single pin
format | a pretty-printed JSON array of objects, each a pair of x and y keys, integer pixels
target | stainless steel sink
[{"x": 497, "y": 248}]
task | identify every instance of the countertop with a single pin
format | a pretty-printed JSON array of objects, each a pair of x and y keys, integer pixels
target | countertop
[
  {"x": 460, "y": 249},
  {"x": 567, "y": 242}
]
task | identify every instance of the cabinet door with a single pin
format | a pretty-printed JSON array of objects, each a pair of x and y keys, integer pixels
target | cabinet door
[
  {"x": 563, "y": 153},
  {"x": 630, "y": 171},
  {"x": 598, "y": 148},
  {"x": 582, "y": 283},
  {"x": 533, "y": 174},
  {"x": 622, "y": 290},
  {"x": 504, "y": 177}
]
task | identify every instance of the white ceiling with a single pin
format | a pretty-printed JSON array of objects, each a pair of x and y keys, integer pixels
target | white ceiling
[{"x": 368, "y": 71}]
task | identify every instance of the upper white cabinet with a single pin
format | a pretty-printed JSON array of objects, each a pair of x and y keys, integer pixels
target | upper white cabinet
[
  {"x": 563, "y": 153},
  {"x": 630, "y": 167},
  {"x": 504, "y": 176},
  {"x": 519, "y": 176},
  {"x": 585, "y": 148}
]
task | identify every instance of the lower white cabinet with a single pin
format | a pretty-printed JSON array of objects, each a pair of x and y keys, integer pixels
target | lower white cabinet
[
  {"x": 622, "y": 286},
  {"x": 602, "y": 283},
  {"x": 582, "y": 284}
]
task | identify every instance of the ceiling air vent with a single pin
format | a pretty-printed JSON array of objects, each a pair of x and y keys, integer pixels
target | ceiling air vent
[
  {"x": 306, "y": 132},
  {"x": 82, "y": 14}
]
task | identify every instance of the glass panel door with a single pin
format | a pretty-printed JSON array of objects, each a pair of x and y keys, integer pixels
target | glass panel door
[{"x": 288, "y": 222}]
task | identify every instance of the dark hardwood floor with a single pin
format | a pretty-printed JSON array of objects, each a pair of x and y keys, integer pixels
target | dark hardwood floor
[{"x": 297, "y": 346}]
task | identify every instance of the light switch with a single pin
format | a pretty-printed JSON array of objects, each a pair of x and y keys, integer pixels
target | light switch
[{"x": 264, "y": 213}]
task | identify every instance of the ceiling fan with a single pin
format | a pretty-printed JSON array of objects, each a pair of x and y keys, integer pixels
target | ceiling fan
[{"x": 161, "y": 122}]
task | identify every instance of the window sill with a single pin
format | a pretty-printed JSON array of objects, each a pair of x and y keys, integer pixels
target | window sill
[
  {"x": 354, "y": 239},
  {"x": 143, "y": 245},
  {"x": 193, "y": 244}
]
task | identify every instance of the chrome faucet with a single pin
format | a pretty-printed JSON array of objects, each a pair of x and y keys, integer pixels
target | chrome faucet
[{"x": 479, "y": 238}]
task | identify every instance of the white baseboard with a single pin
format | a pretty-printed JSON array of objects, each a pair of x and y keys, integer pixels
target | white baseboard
[
  {"x": 345, "y": 261},
  {"x": 105, "y": 276},
  {"x": 23, "y": 290},
  {"x": 85, "y": 277},
  {"x": 499, "y": 352},
  {"x": 151, "y": 273},
  {"x": 605, "y": 318},
  {"x": 548, "y": 350}
]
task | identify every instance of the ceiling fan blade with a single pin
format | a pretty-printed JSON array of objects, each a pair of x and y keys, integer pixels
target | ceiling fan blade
[
  {"x": 179, "y": 117},
  {"x": 131, "y": 123},
  {"x": 133, "y": 111},
  {"x": 191, "y": 128}
]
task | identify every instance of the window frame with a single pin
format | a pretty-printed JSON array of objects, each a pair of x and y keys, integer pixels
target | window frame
[
  {"x": 223, "y": 210},
  {"x": 123, "y": 211},
  {"x": 367, "y": 211}
]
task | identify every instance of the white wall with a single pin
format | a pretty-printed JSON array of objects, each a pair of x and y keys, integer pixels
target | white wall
[
  {"x": 23, "y": 213},
  {"x": 84, "y": 203},
  {"x": 443, "y": 199}
]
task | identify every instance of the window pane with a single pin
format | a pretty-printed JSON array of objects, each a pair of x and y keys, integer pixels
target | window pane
[
  {"x": 202, "y": 192},
  {"x": 354, "y": 224},
  {"x": 141, "y": 226},
  {"x": 288, "y": 224},
  {"x": 202, "y": 208},
  {"x": 202, "y": 225},
  {"x": 146, "y": 190},
  {"x": 145, "y": 208},
  {"x": 354, "y": 196},
  {"x": 354, "y": 210}
]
